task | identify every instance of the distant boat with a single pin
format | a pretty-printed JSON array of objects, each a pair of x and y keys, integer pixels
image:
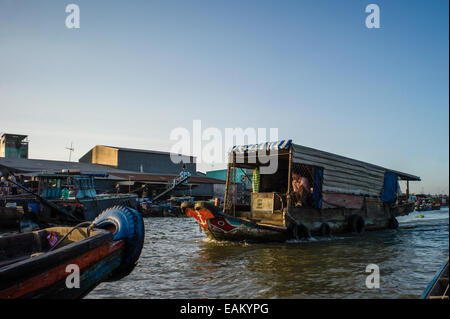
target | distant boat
[
  {"x": 438, "y": 287},
  {"x": 35, "y": 264},
  {"x": 436, "y": 206}
]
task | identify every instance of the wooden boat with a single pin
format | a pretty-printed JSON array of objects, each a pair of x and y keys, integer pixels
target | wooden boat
[
  {"x": 436, "y": 206},
  {"x": 438, "y": 287},
  {"x": 38, "y": 264},
  {"x": 346, "y": 195},
  {"x": 84, "y": 204}
]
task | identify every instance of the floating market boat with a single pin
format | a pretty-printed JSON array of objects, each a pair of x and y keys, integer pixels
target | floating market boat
[
  {"x": 309, "y": 193},
  {"x": 436, "y": 206},
  {"x": 37, "y": 264},
  {"x": 69, "y": 197},
  {"x": 438, "y": 287}
]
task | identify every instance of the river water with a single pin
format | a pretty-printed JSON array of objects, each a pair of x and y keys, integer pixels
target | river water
[{"x": 178, "y": 261}]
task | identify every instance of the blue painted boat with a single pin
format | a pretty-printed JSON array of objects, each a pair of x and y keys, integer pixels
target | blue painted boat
[{"x": 438, "y": 287}]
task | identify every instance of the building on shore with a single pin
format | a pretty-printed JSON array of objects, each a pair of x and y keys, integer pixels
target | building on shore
[
  {"x": 137, "y": 160},
  {"x": 14, "y": 146},
  {"x": 157, "y": 176}
]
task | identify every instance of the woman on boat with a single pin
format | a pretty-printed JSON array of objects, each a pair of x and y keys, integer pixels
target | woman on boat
[{"x": 302, "y": 191}]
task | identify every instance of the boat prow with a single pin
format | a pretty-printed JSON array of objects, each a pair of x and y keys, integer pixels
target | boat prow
[
  {"x": 219, "y": 226},
  {"x": 38, "y": 264},
  {"x": 438, "y": 287}
]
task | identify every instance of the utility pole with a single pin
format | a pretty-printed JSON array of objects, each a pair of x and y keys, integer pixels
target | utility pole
[{"x": 71, "y": 149}]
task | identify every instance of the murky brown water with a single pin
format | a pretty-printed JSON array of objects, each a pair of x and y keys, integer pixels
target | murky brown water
[{"x": 179, "y": 262}]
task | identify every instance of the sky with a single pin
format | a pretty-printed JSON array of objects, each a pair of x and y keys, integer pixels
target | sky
[{"x": 136, "y": 70}]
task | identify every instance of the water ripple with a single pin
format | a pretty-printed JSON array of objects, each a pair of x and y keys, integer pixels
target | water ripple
[{"x": 178, "y": 261}]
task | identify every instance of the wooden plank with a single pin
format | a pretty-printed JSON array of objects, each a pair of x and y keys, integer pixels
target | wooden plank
[
  {"x": 332, "y": 200},
  {"x": 333, "y": 181},
  {"x": 337, "y": 173},
  {"x": 348, "y": 190}
]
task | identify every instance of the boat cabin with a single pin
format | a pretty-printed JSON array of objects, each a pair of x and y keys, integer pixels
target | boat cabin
[{"x": 68, "y": 184}]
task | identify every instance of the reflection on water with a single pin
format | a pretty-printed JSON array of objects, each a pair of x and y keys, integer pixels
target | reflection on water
[{"x": 178, "y": 261}]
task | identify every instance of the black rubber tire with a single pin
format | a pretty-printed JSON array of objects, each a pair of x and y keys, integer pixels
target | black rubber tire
[
  {"x": 393, "y": 223},
  {"x": 300, "y": 231},
  {"x": 356, "y": 224},
  {"x": 325, "y": 230}
]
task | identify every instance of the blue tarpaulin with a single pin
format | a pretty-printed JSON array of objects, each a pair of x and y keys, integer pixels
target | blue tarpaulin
[
  {"x": 317, "y": 187},
  {"x": 389, "y": 193}
]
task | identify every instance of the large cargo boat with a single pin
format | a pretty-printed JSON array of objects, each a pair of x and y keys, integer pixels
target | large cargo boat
[{"x": 310, "y": 193}]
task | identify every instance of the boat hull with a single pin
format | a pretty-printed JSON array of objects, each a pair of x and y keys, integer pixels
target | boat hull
[
  {"x": 68, "y": 262},
  {"x": 218, "y": 226},
  {"x": 235, "y": 229},
  {"x": 299, "y": 224},
  {"x": 86, "y": 209},
  {"x": 438, "y": 287},
  {"x": 45, "y": 276},
  {"x": 94, "y": 268}
]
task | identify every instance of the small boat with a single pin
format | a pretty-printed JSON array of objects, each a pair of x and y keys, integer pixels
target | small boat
[
  {"x": 419, "y": 216},
  {"x": 438, "y": 287},
  {"x": 40, "y": 264},
  {"x": 306, "y": 192},
  {"x": 436, "y": 206}
]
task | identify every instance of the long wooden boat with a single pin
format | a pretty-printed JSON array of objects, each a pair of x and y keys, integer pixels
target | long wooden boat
[
  {"x": 40, "y": 264},
  {"x": 345, "y": 195},
  {"x": 438, "y": 287}
]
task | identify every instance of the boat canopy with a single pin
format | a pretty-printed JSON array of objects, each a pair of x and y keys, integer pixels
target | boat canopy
[
  {"x": 283, "y": 145},
  {"x": 341, "y": 174}
]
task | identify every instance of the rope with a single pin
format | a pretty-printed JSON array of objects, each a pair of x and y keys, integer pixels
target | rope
[{"x": 70, "y": 231}]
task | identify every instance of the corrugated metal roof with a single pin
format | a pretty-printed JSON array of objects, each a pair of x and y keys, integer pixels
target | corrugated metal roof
[
  {"x": 158, "y": 178},
  {"x": 22, "y": 165},
  {"x": 313, "y": 154},
  {"x": 143, "y": 151}
]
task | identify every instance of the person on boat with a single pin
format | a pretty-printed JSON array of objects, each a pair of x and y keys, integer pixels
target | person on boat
[
  {"x": 72, "y": 192},
  {"x": 301, "y": 190},
  {"x": 183, "y": 174},
  {"x": 12, "y": 185}
]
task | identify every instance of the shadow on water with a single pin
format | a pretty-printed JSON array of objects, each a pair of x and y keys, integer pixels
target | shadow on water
[{"x": 178, "y": 261}]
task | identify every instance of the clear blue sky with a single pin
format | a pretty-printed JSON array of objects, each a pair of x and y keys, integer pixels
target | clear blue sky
[{"x": 137, "y": 69}]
